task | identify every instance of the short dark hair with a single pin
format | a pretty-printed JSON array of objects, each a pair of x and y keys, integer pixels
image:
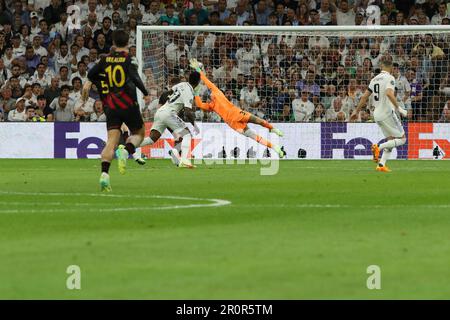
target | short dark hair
[
  {"x": 120, "y": 38},
  {"x": 64, "y": 87},
  {"x": 386, "y": 63},
  {"x": 41, "y": 97},
  {"x": 76, "y": 79},
  {"x": 194, "y": 78},
  {"x": 63, "y": 67}
]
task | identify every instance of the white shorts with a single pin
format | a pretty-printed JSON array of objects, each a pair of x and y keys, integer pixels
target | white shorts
[
  {"x": 391, "y": 126},
  {"x": 166, "y": 118}
]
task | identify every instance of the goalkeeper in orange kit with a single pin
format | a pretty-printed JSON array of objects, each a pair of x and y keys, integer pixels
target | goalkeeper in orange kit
[{"x": 235, "y": 117}]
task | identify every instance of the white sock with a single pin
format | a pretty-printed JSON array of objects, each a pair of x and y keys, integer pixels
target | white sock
[
  {"x": 250, "y": 134},
  {"x": 177, "y": 146},
  {"x": 253, "y": 135},
  {"x": 175, "y": 156},
  {"x": 137, "y": 154},
  {"x": 385, "y": 156},
  {"x": 185, "y": 146},
  {"x": 393, "y": 143},
  {"x": 147, "y": 141}
]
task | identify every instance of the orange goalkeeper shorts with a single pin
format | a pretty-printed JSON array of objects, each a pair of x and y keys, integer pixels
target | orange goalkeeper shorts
[{"x": 238, "y": 121}]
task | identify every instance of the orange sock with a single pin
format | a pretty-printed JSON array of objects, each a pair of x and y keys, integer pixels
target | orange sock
[
  {"x": 263, "y": 141},
  {"x": 267, "y": 125}
]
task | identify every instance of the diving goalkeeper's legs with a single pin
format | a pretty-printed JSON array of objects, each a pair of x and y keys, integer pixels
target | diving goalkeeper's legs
[
  {"x": 253, "y": 135},
  {"x": 265, "y": 124}
]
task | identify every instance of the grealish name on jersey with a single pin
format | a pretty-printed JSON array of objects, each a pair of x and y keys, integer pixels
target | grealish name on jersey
[{"x": 378, "y": 87}]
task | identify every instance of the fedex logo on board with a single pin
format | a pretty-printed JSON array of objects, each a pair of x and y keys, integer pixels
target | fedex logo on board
[
  {"x": 73, "y": 142},
  {"x": 353, "y": 141}
]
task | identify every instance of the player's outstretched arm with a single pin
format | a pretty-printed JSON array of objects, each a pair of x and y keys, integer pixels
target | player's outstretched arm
[
  {"x": 202, "y": 105},
  {"x": 362, "y": 103},
  {"x": 196, "y": 66},
  {"x": 85, "y": 92}
]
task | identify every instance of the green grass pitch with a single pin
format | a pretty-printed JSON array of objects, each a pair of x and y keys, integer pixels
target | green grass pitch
[{"x": 309, "y": 232}]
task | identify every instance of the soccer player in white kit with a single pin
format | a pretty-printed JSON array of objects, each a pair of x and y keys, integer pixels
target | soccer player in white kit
[
  {"x": 181, "y": 98},
  {"x": 382, "y": 87}
]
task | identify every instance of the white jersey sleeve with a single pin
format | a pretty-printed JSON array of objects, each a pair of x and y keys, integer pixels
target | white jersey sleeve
[{"x": 378, "y": 87}]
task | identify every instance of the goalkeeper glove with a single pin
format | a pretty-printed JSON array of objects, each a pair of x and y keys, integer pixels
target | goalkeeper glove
[{"x": 195, "y": 65}]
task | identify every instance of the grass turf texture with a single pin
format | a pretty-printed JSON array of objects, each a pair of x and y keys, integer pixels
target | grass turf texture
[{"x": 310, "y": 231}]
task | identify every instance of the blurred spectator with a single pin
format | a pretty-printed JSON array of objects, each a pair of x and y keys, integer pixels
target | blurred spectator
[
  {"x": 31, "y": 59},
  {"x": 84, "y": 109},
  {"x": 53, "y": 91},
  {"x": 309, "y": 85},
  {"x": 135, "y": 10},
  {"x": 18, "y": 113},
  {"x": 243, "y": 13},
  {"x": 40, "y": 76},
  {"x": 5, "y": 74},
  {"x": 247, "y": 55},
  {"x": 416, "y": 94},
  {"x": 224, "y": 13},
  {"x": 249, "y": 99},
  {"x": 226, "y": 73},
  {"x": 280, "y": 108},
  {"x": 153, "y": 16},
  {"x": 30, "y": 114},
  {"x": 7, "y": 103},
  {"x": 98, "y": 115},
  {"x": 170, "y": 17},
  {"x": 345, "y": 14},
  {"x": 319, "y": 113},
  {"x": 324, "y": 12},
  {"x": 63, "y": 110},
  {"x": 262, "y": 13},
  {"x": 199, "y": 12},
  {"x": 53, "y": 11}
]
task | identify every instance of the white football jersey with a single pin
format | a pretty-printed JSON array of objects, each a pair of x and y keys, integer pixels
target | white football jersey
[
  {"x": 182, "y": 97},
  {"x": 378, "y": 86},
  {"x": 303, "y": 110},
  {"x": 402, "y": 87}
]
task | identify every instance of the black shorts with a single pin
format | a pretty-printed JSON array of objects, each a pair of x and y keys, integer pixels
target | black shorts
[{"x": 131, "y": 117}]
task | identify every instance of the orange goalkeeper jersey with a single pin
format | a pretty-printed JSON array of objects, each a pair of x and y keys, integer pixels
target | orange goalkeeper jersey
[{"x": 232, "y": 115}]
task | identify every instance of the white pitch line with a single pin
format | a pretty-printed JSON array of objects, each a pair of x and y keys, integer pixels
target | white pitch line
[
  {"x": 339, "y": 206},
  {"x": 213, "y": 202}
]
